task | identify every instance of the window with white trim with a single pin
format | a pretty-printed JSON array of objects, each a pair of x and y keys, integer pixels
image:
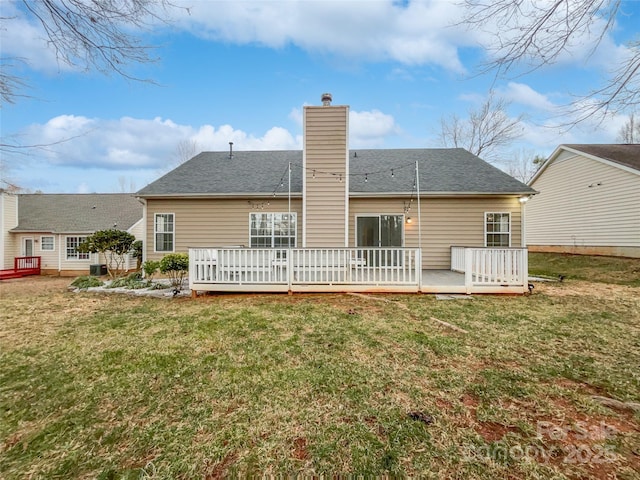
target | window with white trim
[
  {"x": 47, "y": 244},
  {"x": 164, "y": 232},
  {"x": 72, "y": 245},
  {"x": 497, "y": 228},
  {"x": 272, "y": 230}
]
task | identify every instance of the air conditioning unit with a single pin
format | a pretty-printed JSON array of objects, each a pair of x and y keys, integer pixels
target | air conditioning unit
[{"x": 97, "y": 270}]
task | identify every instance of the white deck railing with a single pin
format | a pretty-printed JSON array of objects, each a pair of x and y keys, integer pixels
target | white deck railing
[
  {"x": 489, "y": 267},
  {"x": 285, "y": 268}
]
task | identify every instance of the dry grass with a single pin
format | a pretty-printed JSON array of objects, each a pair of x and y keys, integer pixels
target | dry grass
[{"x": 123, "y": 387}]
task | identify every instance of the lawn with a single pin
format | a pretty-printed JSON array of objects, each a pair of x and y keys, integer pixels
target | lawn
[{"x": 112, "y": 386}]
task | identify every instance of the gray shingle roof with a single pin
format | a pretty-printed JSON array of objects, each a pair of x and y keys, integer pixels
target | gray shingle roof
[
  {"x": 443, "y": 170},
  {"x": 624, "y": 154},
  {"x": 76, "y": 213}
]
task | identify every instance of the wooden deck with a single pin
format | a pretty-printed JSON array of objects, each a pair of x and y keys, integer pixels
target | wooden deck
[
  {"x": 22, "y": 267},
  {"x": 362, "y": 270}
]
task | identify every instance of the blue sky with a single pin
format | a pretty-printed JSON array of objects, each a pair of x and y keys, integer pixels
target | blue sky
[{"x": 242, "y": 71}]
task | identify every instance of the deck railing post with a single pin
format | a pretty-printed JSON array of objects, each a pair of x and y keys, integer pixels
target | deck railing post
[
  {"x": 418, "y": 261},
  {"x": 290, "y": 263},
  {"x": 468, "y": 269},
  {"x": 525, "y": 269},
  {"x": 192, "y": 267}
]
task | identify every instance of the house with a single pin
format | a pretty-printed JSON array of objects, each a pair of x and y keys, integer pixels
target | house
[
  {"x": 51, "y": 226},
  {"x": 330, "y": 218},
  {"x": 589, "y": 201}
]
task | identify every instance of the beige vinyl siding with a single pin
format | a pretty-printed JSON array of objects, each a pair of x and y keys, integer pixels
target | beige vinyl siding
[
  {"x": 137, "y": 230},
  {"x": 53, "y": 261},
  {"x": 445, "y": 222},
  {"x": 8, "y": 220},
  {"x": 49, "y": 258},
  {"x": 568, "y": 212},
  {"x": 212, "y": 222},
  {"x": 325, "y": 151}
]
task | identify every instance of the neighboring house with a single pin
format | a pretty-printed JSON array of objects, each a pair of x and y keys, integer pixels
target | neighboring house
[
  {"x": 51, "y": 226},
  {"x": 350, "y": 215},
  {"x": 589, "y": 201}
]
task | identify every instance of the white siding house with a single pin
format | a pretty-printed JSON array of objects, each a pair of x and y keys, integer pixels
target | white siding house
[
  {"x": 50, "y": 226},
  {"x": 589, "y": 201}
]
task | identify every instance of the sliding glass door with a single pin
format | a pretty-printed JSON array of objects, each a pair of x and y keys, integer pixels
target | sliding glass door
[{"x": 380, "y": 231}]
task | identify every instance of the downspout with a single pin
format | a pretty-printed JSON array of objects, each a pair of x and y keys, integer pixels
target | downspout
[
  {"x": 60, "y": 254},
  {"x": 419, "y": 212},
  {"x": 523, "y": 221}
]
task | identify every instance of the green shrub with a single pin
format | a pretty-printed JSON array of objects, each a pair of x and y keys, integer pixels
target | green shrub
[
  {"x": 86, "y": 281},
  {"x": 150, "y": 267},
  {"x": 132, "y": 281},
  {"x": 136, "y": 252},
  {"x": 176, "y": 267}
]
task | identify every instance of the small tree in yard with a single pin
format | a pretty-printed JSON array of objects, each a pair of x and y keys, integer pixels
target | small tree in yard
[
  {"x": 113, "y": 244},
  {"x": 176, "y": 267},
  {"x": 150, "y": 267}
]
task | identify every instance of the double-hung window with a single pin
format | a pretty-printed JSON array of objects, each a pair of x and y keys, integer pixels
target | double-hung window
[
  {"x": 497, "y": 227},
  {"x": 72, "y": 245},
  {"x": 164, "y": 232},
  {"x": 272, "y": 230},
  {"x": 47, "y": 244}
]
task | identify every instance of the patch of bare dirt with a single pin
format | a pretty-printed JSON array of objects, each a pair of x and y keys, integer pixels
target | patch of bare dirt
[
  {"x": 589, "y": 289},
  {"x": 300, "y": 451},
  {"x": 37, "y": 308},
  {"x": 33, "y": 284},
  {"x": 219, "y": 470}
]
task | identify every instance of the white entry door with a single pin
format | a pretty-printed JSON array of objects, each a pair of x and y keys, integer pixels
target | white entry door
[{"x": 28, "y": 247}]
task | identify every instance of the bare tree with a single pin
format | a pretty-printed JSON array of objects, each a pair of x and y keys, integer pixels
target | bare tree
[
  {"x": 485, "y": 132},
  {"x": 185, "y": 150},
  {"x": 630, "y": 131},
  {"x": 97, "y": 34},
  {"x": 536, "y": 33},
  {"x": 523, "y": 164},
  {"x": 123, "y": 187},
  {"x": 10, "y": 84}
]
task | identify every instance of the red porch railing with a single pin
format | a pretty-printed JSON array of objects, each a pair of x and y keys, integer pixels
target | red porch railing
[{"x": 22, "y": 267}]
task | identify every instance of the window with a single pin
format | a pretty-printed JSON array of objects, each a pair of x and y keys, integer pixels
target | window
[
  {"x": 72, "y": 253},
  {"x": 497, "y": 227},
  {"x": 272, "y": 230},
  {"x": 164, "y": 232},
  {"x": 46, "y": 244}
]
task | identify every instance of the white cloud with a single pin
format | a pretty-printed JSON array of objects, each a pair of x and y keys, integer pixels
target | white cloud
[
  {"x": 418, "y": 32},
  {"x": 525, "y": 95},
  {"x": 133, "y": 144},
  {"x": 130, "y": 143},
  {"x": 370, "y": 129}
]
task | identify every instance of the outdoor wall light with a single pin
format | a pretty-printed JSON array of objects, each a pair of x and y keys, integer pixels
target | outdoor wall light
[
  {"x": 523, "y": 199},
  {"x": 409, "y": 220}
]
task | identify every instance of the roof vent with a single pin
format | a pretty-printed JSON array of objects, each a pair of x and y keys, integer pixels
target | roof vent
[
  {"x": 326, "y": 99},
  {"x": 230, "y": 150}
]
